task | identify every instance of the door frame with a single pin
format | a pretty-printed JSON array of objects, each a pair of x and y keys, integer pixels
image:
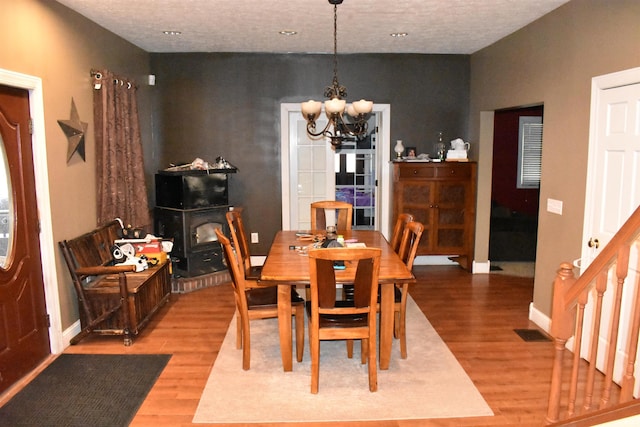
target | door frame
[
  {"x": 383, "y": 162},
  {"x": 47, "y": 245}
]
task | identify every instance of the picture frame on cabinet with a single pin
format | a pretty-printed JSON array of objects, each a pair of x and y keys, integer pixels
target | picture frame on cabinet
[{"x": 411, "y": 152}]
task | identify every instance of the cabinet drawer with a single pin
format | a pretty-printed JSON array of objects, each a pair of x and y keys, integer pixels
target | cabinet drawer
[
  {"x": 453, "y": 171},
  {"x": 444, "y": 170},
  {"x": 416, "y": 171}
]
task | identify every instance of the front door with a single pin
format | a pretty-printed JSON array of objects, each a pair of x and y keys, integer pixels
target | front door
[{"x": 24, "y": 337}]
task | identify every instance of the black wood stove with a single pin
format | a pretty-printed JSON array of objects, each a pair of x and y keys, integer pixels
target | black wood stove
[{"x": 190, "y": 205}]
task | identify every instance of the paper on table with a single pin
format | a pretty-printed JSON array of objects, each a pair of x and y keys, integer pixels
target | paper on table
[{"x": 355, "y": 245}]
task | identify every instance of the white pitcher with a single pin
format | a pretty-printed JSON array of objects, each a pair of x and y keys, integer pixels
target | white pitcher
[{"x": 459, "y": 144}]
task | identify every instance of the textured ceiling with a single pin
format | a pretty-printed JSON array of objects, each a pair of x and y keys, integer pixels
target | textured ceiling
[{"x": 364, "y": 26}]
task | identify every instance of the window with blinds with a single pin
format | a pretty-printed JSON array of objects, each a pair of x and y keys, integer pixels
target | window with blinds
[{"x": 529, "y": 151}]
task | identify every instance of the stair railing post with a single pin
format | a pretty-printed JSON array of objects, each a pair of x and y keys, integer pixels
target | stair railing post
[{"x": 562, "y": 327}]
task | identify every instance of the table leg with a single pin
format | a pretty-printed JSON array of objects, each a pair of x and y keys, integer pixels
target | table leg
[
  {"x": 284, "y": 325},
  {"x": 386, "y": 324}
]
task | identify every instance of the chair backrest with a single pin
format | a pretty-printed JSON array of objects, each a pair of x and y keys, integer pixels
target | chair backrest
[
  {"x": 239, "y": 237},
  {"x": 365, "y": 261},
  {"x": 398, "y": 229},
  {"x": 343, "y": 210},
  {"x": 236, "y": 273},
  {"x": 410, "y": 241}
]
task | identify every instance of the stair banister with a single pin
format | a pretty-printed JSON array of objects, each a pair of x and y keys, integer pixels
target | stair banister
[{"x": 569, "y": 298}]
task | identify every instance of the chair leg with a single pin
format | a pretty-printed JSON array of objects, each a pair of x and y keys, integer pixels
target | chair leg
[
  {"x": 350, "y": 349},
  {"x": 364, "y": 350},
  {"x": 403, "y": 336},
  {"x": 402, "y": 315},
  {"x": 246, "y": 344},
  {"x": 299, "y": 315},
  {"x": 396, "y": 322},
  {"x": 314, "y": 345},
  {"x": 373, "y": 368},
  {"x": 238, "y": 331}
]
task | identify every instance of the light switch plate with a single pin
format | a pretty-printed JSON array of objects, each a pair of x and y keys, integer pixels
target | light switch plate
[
  {"x": 554, "y": 206},
  {"x": 254, "y": 238}
]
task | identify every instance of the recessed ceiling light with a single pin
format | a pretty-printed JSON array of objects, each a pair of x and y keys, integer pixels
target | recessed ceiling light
[
  {"x": 172, "y": 33},
  {"x": 399, "y": 34},
  {"x": 288, "y": 32}
]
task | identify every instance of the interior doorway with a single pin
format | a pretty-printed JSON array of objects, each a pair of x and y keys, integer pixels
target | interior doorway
[{"x": 514, "y": 207}]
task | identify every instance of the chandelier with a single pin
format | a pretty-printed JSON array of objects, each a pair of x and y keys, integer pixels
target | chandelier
[{"x": 339, "y": 126}]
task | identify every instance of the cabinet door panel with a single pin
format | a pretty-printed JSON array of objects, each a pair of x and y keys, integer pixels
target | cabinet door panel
[
  {"x": 416, "y": 194},
  {"x": 448, "y": 217},
  {"x": 423, "y": 215},
  {"x": 452, "y": 194},
  {"x": 450, "y": 239}
]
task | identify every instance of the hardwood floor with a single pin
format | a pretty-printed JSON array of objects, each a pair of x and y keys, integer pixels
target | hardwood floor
[{"x": 474, "y": 314}]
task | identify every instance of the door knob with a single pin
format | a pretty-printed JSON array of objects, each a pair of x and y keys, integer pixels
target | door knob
[{"x": 593, "y": 243}]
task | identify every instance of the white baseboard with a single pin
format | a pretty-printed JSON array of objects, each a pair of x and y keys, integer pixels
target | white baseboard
[
  {"x": 433, "y": 260},
  {"x": 539, "y": 318},
  {"x": 477, "y": 267},
  {"x": 481, "y": 267},
  {"x": 70, "y": 332}
]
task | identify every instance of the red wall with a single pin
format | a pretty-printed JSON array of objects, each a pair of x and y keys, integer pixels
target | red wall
[{"x": 505, "y": 163}]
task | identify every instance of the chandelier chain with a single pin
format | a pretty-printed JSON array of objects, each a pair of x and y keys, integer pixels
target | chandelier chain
[
  {"x": 335, "y": 45},
  {"x": 335, "y": 90},
  {"x": 338, "y": 127}
]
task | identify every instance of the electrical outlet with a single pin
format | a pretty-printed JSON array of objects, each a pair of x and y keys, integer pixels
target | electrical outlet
[{"x": 254, "y": 238}]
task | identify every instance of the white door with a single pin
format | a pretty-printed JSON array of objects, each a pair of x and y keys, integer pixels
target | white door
[
  {"x": 311, "y": 167},
  {"x": 613, "y": 181},
  {"x": 308, "y": 169}
]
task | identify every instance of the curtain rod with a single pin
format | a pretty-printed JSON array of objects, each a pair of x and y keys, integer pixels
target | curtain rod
[{"x": 97, "y": 77}]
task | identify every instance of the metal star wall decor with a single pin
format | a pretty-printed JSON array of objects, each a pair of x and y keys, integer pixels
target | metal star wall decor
[{"x": 75, "y": 130}]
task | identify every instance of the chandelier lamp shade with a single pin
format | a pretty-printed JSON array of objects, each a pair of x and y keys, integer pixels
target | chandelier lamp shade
[{"x": 344, "y": 120}]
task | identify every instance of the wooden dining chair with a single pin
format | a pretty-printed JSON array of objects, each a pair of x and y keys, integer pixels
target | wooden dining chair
[
  {"x": 355, "y": 319},
  {"x": 407, "y": 252},
  {"x": 257, "y": 303},
  {"x": 343, "y": 211},
  {"x": 398, "y": 228},
  {"x": 241, "y": 244}
]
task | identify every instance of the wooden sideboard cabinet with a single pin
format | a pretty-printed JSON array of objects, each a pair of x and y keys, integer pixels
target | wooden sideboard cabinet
[{"x": 442, "y": 196}]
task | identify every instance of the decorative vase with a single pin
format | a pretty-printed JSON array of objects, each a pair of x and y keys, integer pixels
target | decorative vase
[{"x": 399, "y": 149}]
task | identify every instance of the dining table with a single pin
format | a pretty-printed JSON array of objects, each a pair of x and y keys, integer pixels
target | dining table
[{"x": 287, "y": 265}]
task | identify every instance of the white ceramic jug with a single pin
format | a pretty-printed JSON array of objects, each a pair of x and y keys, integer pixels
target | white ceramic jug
[{"x": 459, "y": 144}]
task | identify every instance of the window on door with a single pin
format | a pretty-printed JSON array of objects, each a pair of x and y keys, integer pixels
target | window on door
[{"x": 355, "y": 171}]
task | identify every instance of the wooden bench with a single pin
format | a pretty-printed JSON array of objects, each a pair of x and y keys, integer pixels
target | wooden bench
[{"x": 112, "y": 299}]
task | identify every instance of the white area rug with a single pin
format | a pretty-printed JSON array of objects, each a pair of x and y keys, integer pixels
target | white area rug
[{"x": 430, "y": 383}]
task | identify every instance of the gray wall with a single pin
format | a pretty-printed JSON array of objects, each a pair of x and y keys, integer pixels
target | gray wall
[{"x": 216, "y": 104}]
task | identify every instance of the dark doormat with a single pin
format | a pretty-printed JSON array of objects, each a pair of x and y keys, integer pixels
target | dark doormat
[
  {"x": 531, "y": 335},
  {"x": 85, "y": 390}
]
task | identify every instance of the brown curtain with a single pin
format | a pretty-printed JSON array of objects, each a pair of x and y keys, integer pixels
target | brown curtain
[{"x": 119, "y": 163}]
